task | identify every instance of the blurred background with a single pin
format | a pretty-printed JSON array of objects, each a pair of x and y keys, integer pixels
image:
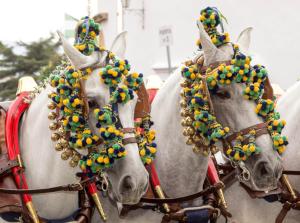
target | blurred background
[{"x": 161, "y": 34}]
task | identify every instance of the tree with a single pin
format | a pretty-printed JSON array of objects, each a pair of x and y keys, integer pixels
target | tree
[{"x": 38, "y": 60}]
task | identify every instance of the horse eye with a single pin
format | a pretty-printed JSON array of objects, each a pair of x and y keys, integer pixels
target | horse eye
[
  {"x": 223, "y": 94},
  {"x": 92, "y": 103}
]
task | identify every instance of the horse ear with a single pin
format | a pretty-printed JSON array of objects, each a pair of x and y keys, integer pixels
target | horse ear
[
  {"x": 77, "y": 59},
  {"x": 244, "y": 39},
  {"x": 118, "y": 46}
]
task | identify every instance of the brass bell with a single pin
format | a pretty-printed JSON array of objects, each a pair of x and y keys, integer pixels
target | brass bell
[
  {"x": 190, "y": 131},
  {"x": 205, "y": 152},
  {"x": 184, "y": 132},
  {"x": 59, "y": 147},
  {"x": 55, "y": 136},
  {"x": 69, "y": 152},
  {"x": 51, "y": 105},
  {"x": 196, "y": 149},
  {"x": 63, "y": 143},
  {"x": 73, "y": 163},
  {"x": 52, "y": 115},
  {"x": 184, "y": 113},
  {"x": 189, "y": 142},
  {"x": 53, "y": 126},
  {"x": 50, "y": 95},
  {"x": 188, "y": 121},
  {"x": 183, "y": 122},
  {"x": 76, "y": 157},
  {"x": 182, "y": 93},
  {"x": 184, "y": 84},
  {"x": 64, "y": 156},
  {"x": 183, "y": 103},
  {"x": 61, "y": 131},
  {"x": 197, "y": 138},
  {"x": 214, "y": 149}
]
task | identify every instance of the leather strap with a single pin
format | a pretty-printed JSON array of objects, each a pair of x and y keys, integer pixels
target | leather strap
[
  {"x": 206, "y": 191},
  {"x": 69, "y": 187},
  {"x": 6, "y": 165},
  {"x": 261, "y": 128},
  {"x": 129, "y": 140},
  {"x": 128, "y": 130}
]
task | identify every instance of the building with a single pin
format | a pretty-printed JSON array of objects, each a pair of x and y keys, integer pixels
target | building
[{"x": 273, "y": 36}]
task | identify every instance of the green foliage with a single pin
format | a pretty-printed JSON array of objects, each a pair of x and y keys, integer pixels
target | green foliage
[{"x": 38, "y": 60}]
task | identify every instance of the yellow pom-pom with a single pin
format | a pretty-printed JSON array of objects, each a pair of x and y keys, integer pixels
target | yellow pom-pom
[
  {"x": 75, "y": 75},
  {"x": 89, "y": 162},
  {"x": 152, "y": 150},
  {"x": 111, "y": 150},
  {"x": 79, "y": 142},
  {"x": 77, "y": 101},
  {"x": 226, "y": 129},
  {"x": 275, "y": 122},
  {"x": 89, "y": 141},
  {"x": 111, "y": 129},
  {"x": 142, "y": 152},
  {"x": 148, "y": 161},
  {"x": 247, "y": 90},
  {"x": 228, "y": 151},
  {"x": 236, "y": 156},
  {"x": 228, "y": 82},
  {"x": 245, "y": 148},
  {"x": 75, "y": 119},
  {"x": 193, "y": 76},
  {"x": 252, "y": 148},
  {"x": 276, "y": 143},
  {"x": 65, "y": 101},
  {"x": 100, "y": 159},
  {"x": 106, "y": 160}
]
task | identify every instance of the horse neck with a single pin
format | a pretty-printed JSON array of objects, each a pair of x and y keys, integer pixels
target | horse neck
[
  {"x": 41, "y": 159},
  {"x": 180, "y": 170},
  {"x": 289, "y": 107}
]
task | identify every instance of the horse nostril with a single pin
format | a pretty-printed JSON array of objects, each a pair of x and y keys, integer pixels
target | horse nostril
[
  {"x": 263, "y": 169},
  {"x": 127, "y": 184}
]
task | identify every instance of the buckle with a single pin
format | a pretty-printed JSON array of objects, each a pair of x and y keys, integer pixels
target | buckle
[{"x": 75, "y": 187}]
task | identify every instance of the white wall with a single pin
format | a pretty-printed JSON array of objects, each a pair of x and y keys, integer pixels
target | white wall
[{"x": 275, "y": 38}]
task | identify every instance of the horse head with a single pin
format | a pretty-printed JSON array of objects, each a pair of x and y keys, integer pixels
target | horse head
[
  {"x": 231, "y": 109},
  {"x": 128, "y": 177}
]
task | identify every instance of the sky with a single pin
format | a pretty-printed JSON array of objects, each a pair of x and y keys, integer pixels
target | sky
[{"x": 28, "y": 20}]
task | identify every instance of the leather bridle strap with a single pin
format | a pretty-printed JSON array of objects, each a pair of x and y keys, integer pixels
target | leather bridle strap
[
  {"x": 206, "y": 191},
  {"x": 129, "y": 140},
  {"x": 261, "y": 129},
  {"x": 68, "y": 187}
]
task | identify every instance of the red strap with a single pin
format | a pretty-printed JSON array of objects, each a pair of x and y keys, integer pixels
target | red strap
[
  {"x": 153, "y": 175},
  {"x": 14, "y": 114},
  {"x": 212, "y": 172}
]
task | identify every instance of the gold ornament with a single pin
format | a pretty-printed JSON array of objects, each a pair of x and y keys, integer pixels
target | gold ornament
[
  {"x": 73, "y": 163},
  {"x": 188, "y": 121},
  {"x": 197, "y": 149},
  {"x": 190, "y": 131},
  {"x": 184, "y": 132},
  {"x": 55, "y": 136},
  {"x": 53, "y": 126},
  {"x": 184, "y": 112},
  {"x": 184, "y": 84},
  {"x": 59, "y": 147},
  {"x": 52, "y": 115},
  {"x": 64, "y": 156},
  {"x": 51, "y": 105},
  {"x": 183, "y": 122},
  {"x": 189, "y": 142},
  {"x": 183, "y": 103}
]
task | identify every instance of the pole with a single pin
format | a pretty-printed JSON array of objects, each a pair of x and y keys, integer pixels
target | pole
[
  {"x": 89, "y": 8},
  {"x": 169, "y": 59}
]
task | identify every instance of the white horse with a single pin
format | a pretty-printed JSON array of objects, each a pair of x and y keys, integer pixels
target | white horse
[
  {"x": 44, "y": 167},
  {"x": 180, "y": 170},
  {"x": 249, "y": 210}
]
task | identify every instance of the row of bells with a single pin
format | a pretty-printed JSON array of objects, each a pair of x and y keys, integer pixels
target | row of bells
[
  {"x": 186, "y": 122},
  {"x": 59, "y": 136}
]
